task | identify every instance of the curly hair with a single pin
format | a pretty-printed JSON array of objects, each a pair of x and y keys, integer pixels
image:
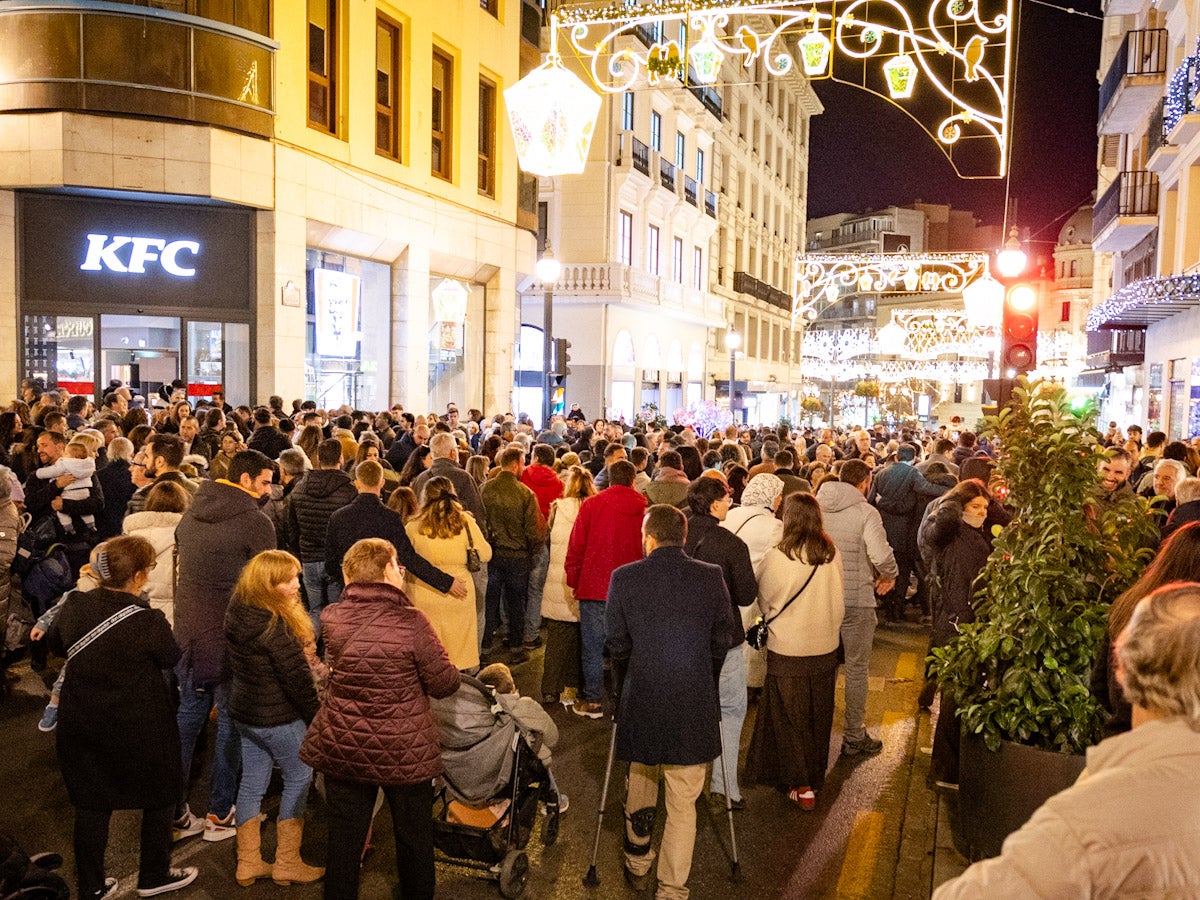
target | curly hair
[{"x": 1159, "y": 652}]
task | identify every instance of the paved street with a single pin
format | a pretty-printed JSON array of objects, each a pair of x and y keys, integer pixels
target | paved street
[{"x": 873, "y": 835}]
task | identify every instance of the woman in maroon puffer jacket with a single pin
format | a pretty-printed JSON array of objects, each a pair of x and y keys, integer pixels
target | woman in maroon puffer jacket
[{"x": 375, "y": 729}]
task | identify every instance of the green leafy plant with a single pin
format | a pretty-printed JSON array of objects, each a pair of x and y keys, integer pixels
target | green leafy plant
[{"x": 1020, "y": 672}]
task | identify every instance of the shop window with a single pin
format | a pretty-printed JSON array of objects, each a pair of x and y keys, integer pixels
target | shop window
[
  {"x": 625, "y": 238},
  {"x": 487, "y": 138},
  {"x": 59, "y": 352},
  {"x": 322, "y": 65},
  {"x": 456, "y": 340},
  {"x": 387, "y": 88},
  {"x": 441, "y": 115}
]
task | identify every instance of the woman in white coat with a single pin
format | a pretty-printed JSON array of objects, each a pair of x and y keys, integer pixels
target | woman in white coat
[
  {"x": 165, "y": 505},
  {"x": 560, "y": 609}
]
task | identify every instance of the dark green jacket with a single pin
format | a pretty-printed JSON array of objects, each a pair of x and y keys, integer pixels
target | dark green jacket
[{"x": 513, "y": 519}]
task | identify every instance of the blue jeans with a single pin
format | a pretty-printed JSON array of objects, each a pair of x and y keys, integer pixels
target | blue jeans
[
  {"x": 592, "y": 634},
  {"x": 195, "y": 704},
  {"x": 537, "y": 583},
  {"x": 732, "y": 693},
  {"x": 320, "y": 590},
  {"x": 263, "y": 746}
]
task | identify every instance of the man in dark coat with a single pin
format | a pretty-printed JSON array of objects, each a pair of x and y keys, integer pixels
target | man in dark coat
[
  {"x": 221, "y": 531},
  {"x": 267, "y": 438},
  {"x": 669, "y": 621},
  {"x": 707, "y": 541},
  {"x": 901, "y": 493}
]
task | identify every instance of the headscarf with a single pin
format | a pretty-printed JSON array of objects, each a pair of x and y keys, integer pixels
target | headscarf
[{"x": 762, "y": 490}]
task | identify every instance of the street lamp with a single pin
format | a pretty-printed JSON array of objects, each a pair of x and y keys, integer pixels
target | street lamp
[
  {"x": 1012, "y": 259},
  {"x": 547, "y": 269},
  {"x": 733, "y": 340}
]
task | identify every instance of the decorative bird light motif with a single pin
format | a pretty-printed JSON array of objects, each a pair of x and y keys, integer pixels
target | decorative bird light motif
[
  {"x": 973, "y": 56},
  {"x": 749, "y": 40}
]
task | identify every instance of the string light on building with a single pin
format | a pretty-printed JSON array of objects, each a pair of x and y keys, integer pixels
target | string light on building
[{"x": 1146, "y": 292}]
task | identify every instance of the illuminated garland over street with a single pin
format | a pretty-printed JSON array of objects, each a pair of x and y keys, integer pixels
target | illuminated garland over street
[{"x": 1145, "y": 292}]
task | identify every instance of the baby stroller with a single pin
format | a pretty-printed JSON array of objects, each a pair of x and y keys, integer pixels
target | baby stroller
[
  {"x": 487, "y": 804},
  {"x": 24, "y": 877}
]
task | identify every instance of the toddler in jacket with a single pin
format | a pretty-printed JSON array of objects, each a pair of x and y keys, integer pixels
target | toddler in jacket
[{"x": 75, "y": 461}]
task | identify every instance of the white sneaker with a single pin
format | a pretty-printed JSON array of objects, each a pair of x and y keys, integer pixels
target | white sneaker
[
  {"x": 186, "y": 825},
  {"x": 110, "y": 889},
  {"x": 220, "y": 829},
  {"x": 176, "y": 879}
]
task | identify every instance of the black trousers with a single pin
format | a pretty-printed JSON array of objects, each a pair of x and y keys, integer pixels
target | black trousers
[
  {"x": 350, "y": 807},
  {"x": 562, "y": 667},
  {"x": 508, "y": 578},
  {"x": 91, "y": 840}
]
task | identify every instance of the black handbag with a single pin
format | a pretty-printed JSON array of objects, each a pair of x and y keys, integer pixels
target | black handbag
[
  {"x": 756, "y": 634},
  {"x": 474, "y": 563}
]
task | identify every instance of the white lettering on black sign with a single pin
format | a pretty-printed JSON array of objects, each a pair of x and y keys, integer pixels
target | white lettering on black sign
[{"x": 129, "y": 255}]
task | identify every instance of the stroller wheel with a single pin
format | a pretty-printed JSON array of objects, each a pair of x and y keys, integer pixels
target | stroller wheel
[{"x": 513, "y": 872}]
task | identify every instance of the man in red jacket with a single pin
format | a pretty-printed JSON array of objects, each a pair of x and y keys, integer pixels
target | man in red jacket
[
  {"x": 540, "y": 478},
  {"x": 607, "y": 535}
]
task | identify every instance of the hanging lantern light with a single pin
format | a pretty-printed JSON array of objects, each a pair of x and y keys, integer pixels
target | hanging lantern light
[
  {"x": 831, "y": 293},
  {"x": 901, "y": 74},
  {"x": 912, "y": 278},
  {"x": 892, "y": 338},
  {"x": 983, "y": 301},
  {"x": 706, "y": 59},
  {"x": 552, "y": 114},
  {"x": 814, "y": 52},
  {"x": 864, "y": 281}
]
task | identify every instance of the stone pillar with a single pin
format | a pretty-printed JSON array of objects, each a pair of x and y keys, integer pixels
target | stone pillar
[
  {"x": 503, "y": 322},
  {"x": 8, "y": 295},
  {"x": 410, "y": 329},
  {"x": 280, "y": 330}
]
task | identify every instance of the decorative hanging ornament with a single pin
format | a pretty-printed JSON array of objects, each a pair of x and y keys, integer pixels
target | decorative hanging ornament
[
  {"x": 814, "y": 51},
  {"x": 901, "y": 74},
  {"x": 706, "y": 60},
  {"x": 553, "y": 115}
]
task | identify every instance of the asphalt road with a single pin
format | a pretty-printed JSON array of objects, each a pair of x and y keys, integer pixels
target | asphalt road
[{"x": 871, "y": 836}]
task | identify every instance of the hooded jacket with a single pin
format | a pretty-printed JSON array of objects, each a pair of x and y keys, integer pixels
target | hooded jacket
[
  {"x": 159, "y": 529},
  {"x": 272, "y": 683},
  {"x": 857, "y": 529},
  {"x": 607, "y": 534},
  {"x": 545, "y": 484},
  {"x": 385, "y": 662},
  {"x": 320, "y": 494},
  {"x": 221, "y": 531}
]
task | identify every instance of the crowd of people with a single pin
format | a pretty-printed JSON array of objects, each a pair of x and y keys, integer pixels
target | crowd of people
[{"x": 312, "y": 579}]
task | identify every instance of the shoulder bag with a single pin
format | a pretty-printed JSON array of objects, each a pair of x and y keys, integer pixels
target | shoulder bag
[
  {"x": 115, "y": 619},
  {"x": 756, "y": 634},
  {"x": 474, "y": 563}
]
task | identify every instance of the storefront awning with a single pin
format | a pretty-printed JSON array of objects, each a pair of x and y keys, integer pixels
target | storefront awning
[{"x": 1147, "y": 301}]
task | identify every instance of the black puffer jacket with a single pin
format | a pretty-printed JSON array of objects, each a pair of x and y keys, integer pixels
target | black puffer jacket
[
  {"x": 272, "y": 683},
  {"x": 955, "y": 553},
  {"x": 320, "y": 494}
]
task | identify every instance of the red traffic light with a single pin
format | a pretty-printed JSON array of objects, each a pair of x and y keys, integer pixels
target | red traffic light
[{"x": 1018, "y": 330}]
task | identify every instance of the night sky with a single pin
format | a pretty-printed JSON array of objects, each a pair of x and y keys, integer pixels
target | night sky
[{"x": 867, "y": 155}]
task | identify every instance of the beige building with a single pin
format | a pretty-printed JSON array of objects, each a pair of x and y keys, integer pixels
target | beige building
[{"x": 310, "y": 198}]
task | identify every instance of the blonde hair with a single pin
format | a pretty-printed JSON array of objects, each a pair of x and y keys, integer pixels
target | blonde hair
[
  {"x": 1159, "y": 652},
  {"x": 441, "y": 514},
  {"x": 77, "y": 450},
  {"x": 258, "y": 586},
  {"x": 367, "y": 560},
  {"x": 579, "y": 483},
  {"x": 498, "y": 676}
]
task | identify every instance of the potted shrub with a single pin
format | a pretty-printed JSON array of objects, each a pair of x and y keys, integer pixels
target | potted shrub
[{"x": 1020, "y": 672}]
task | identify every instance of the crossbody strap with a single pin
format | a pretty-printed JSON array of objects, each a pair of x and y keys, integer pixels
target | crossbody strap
[
  {"x": 811, "y": 574},
  {"x": 115, "y": 619},
  {"x": 749, "y": 519}
]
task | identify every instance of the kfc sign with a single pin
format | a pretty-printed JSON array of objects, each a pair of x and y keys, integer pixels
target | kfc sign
[{"x": 131, "y": 255}]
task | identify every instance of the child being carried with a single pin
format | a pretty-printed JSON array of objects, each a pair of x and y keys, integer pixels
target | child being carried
[{"x": 77, "y": 462}]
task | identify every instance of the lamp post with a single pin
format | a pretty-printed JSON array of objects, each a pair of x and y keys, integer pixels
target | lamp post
[
  {"x": 547, "y": 269},
  {"x": 733, "y": 340}
]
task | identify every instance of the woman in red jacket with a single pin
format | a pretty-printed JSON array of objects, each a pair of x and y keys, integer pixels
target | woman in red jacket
[{"x": 375, "y": 729}]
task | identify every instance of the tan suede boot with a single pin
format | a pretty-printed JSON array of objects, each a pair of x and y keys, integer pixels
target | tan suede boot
[
  {"x": 251, "y": 866},
  {"x": 289, "y": 867}
]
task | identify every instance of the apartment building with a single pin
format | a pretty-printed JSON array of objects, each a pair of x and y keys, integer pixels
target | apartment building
[{"x": 310, "y": 198}]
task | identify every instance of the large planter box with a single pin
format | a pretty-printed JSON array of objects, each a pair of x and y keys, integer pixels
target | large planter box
[{"x": 999, "y": 792}]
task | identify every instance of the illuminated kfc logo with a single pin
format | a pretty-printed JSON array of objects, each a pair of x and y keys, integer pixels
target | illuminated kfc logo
[{"x": 130, "y": 255}]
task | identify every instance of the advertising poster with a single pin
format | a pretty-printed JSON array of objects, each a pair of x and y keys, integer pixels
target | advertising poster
[{"x": 337, "y": 298}]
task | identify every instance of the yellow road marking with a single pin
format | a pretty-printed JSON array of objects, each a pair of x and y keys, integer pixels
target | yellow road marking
[
  {"x": 890, "y": 718},
  {"x": 858, "y": 866},
  {"x": 906, "y": 667}
]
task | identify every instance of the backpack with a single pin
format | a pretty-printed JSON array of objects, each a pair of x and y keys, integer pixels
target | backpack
[
  {"x": 41, "y": 563},
  {"x": 35, "y": 540}
]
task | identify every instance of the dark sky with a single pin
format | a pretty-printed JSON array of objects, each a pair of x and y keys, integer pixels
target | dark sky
[{"x": 866, "y": 155}]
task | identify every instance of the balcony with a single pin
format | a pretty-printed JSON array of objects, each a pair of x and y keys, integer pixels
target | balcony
[
  {"x": 710, "y": 204},
  {"x": 1126, "y": 213},
  {"x": 615, "y": 282},
  {"x": 136, "y": 60},
  {"x": 531, "y": 23},
  {"x": 709, "y": 97},
  {"x": 666, "y": 174},
  {"x": 1136, "y": 78},
  {"x": 631, "y": 151},
  {"x": 745, "y": 283},
  {"x": 690, "y": 190},
  {"x": 527, "y": 201},
  {"x": 1112, "y": 350},
  {"x": 1159, "y": 150}
]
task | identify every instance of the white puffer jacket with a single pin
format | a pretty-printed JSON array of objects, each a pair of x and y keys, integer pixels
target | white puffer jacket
[
  {"x": 558, "y": 600},
  {"x": 159, "y": 529}
]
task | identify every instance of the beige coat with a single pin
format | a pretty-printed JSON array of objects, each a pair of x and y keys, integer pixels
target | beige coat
[
  {"x": 453, "y": 620},
  {"x": 811, "y": 624},
  {"x": 1129, "y": 827},
  {"x": 558, "y": 600},
  {"x": 159, "y": 529}
]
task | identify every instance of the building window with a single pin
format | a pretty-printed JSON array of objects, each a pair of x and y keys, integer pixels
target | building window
[
  {"x": 387, "y": 88},
  {"x": 488, "y": 6},
  {"x": 322, "y": 65},
  {"x": 440, "y": 117},
  {"x": 699, "y": 166},
  {"x": 652, "y": 250},
  {"x": 1074, "y": 271},
  {"x": 679, "y": 151},
  {"x": 698, "y": 268},
  {"x": 677, "y": 260},
  {"x": 487, "y": 138},
  {"x": 627, "y": 111},
  {"x": 1066, "y": 311},
  {"x": 625, "y": 238},
  {"x": 656, "y": 132}
]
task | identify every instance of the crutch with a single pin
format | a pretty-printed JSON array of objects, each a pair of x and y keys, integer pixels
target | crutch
[
  {"x": 591, "y": 879},
  {"x": 735, "y": 872}
]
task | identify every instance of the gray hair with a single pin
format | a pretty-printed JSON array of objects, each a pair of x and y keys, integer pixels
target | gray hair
[
  {"x": 121, "y": 448},
  {"x": 1181, "y": 471},
  {"x": 294, "y": 462},
  {"x": 1187, "y": 490},
  {"x": 443, "y": 445},
  {"x": 1159, "y": 652}
]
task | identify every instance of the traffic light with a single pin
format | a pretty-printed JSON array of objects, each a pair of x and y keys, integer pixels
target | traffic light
[
  {"x": 562, "y": 356},
  {"x": 1018, "y": 330}
]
